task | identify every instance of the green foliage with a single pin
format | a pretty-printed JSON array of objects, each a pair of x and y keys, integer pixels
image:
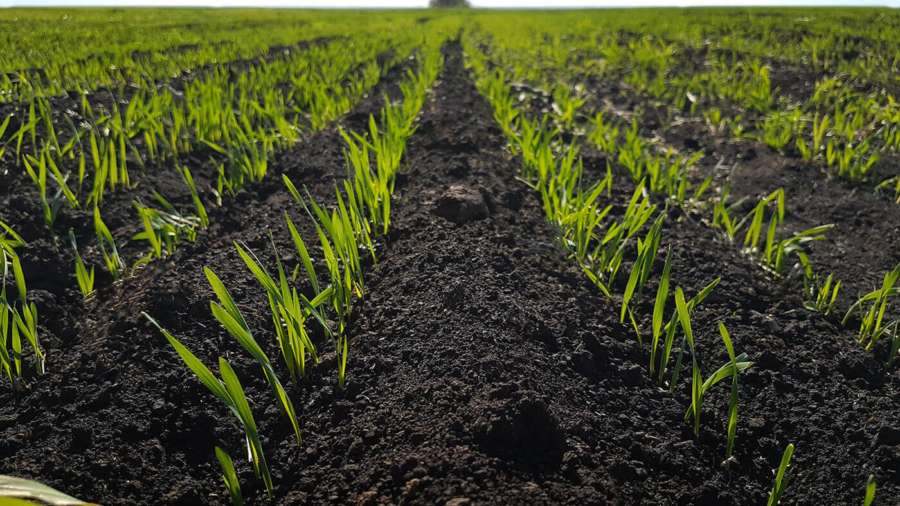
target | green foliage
[
  {"x": 17, "y": 318},
  {"x": 114, "y": 263},
  {"x": 231, "y": 318},
  {"x": 783, "y": 477},
  {"x": 820, "y": 296},
  {"x": 870, "y": 491},
  {"x": 230, "y": 392},
  {"x": 773, "y": 254},
  {"x": 85, "y": 278},
  {"x": 12, "y": 489},
  {"x": 228, "y": 474},
  {"x": 871, "y": 309}
]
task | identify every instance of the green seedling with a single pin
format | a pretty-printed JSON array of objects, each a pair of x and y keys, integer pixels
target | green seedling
[
  {"x": 737, "y": 365},
  {"x": 230, "y": 477},
  {"x": 19, "y": 320},
  {"x": 230, "y": 392},
  {"x": 870, "y": 491},
  {"x": 669, "y": 331},
  {"x": 114, "y": 263},
  {"x": 289, "y": 308},
  {"x": 819, "y": 296},
  {"x": 198, "y": 204},
  {"x": 696, "y": 390},
  {"x": 231, "y": 318},
  {"x": 659, "y": 307},
  {"x": 783, "y": 478},
  {"x": 640, "y": 272},
  {"x": 85, "y": 278},
  {"x": 872, "y": 326}
]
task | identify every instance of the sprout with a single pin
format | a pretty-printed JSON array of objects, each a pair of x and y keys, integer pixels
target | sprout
[
  {"x": 783, "y": 477},
  {"x": 733, "y": 402},
  {"x": 819, "y": 296},
  {"x": 870, "y": 491},
  {"x": 231, "y": 318},
  {"x": 659, "y": 307},
  {"x": 229, "y": 390},
  {"x": 201, "y": 211},
  {"x": 670, "y": 336},
  {"x": 114, "y": 263},
  {"x": 16, "y": 322},
  {"x": 49, "y": 204},
  {"x": 164, "y": 228},
  {"x": 696, "y": 391},
  {"x": 85, "y": 279},
  {"x": 230, "y": 477},
  {"x": 773, "y": 255},
  {"x": 640, "y": 271},
  {"x": 872, "y": 326}
]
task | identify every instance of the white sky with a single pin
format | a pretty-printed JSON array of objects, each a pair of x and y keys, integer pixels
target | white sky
[{"x": 423, "y": 3}]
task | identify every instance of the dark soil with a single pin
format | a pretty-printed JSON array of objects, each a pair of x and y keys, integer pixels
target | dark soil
[
  {"x": 48, "y": 259},
  {"x": 859, "y": 250},
  {"x": 484, "y": 367},
  {"x": 865, "y": 242}
]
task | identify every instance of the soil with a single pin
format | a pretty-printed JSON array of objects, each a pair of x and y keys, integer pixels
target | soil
[
  {"x": 865, "y": 241},
  {"x": 49, "y": 259},
  {"x": 484, "y": 368}
]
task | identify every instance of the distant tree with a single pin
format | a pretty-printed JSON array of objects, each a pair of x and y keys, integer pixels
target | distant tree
[{"x": 458, "y": 4}]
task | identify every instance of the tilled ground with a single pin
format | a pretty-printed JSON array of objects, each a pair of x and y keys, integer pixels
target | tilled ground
[
  {"x": 865, "y": 241},
  {"x": 484, "y": 367}
]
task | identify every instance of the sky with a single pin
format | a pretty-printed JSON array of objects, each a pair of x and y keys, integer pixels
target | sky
[{"x": 423, "y": 3}]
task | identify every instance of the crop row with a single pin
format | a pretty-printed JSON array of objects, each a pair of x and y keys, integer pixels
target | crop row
[
  {"x": 599, "y": 243},
  {"x": 344, "y": 233},
  {"x": 668, "y": 175},
  {"x": 240, "y": 123},
  {"x": 326, "y": 77},
  {"x": 362, "y": 212},
  {"x": 78, "y": 51},
  {"x": 839, "y": 128}
]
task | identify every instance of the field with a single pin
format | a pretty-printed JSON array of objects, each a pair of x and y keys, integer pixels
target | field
[{"x": 451, "y": 256}]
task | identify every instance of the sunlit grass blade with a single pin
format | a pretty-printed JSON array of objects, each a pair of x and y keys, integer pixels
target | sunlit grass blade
[
  {"x": 12, "y": 489},
  {"x": 659, "y": 307},
  {"x": 733, "y": 402},
  {"x": 230, "y": 477},
  {"x": 85, "y": 278},
  {"x": 870, "y": 491},
  {"x": 231, "y": 318},
  {"x": 783, "y": 478},
  {"x": 233, "y": 386},
  {"x": 230, "y": 392}
]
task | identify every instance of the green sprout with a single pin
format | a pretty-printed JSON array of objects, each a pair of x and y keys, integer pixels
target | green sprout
[
  {"x": 229, "y": 391},
  {"x": 783, "y": 477},
  {"x": 85, "y": 278}
]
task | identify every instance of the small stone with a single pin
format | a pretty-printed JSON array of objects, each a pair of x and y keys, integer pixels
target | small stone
[
  {"x": 460, "y": 205},
  {"x": 412, "y": 487},
  {"x": 459, "y": 501},
  {"x": 368, "y": 498}
]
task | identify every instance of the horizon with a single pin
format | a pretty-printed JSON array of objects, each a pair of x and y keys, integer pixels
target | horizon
[{"x": 423, "y": 4}]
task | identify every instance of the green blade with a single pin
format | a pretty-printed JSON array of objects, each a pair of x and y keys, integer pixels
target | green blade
[
  {"x": 236, "y": 391},
  {"x": 231, "y": 481},
  {"x": 20, "y": 488},
  {"x": 202, "y": 372}
]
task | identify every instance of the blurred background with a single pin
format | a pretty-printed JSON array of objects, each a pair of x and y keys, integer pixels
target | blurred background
[{"x": 496, "y": 4}]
